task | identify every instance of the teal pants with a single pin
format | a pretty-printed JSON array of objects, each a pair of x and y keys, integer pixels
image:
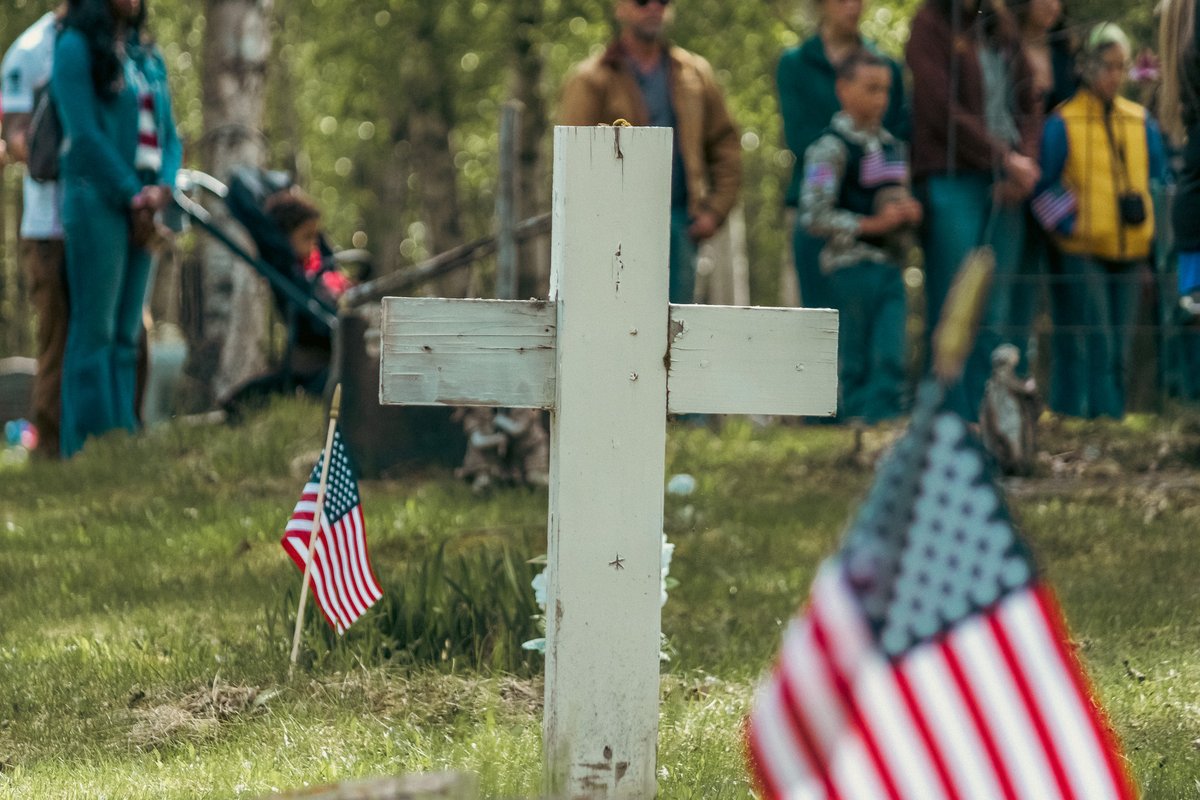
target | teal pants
[
  {"x": 958, "y": 209},
  {"x": 1096, "y": 302},
  {"x": 682, "y": 287},
  {"x": 106, "y": 281},
  {"x": 870, "y": 301},
  {"x": 815, "y": 289}
]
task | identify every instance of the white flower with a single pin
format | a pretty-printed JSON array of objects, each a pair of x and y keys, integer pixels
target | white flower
[
  {"x": 539, "y": 590},
  {"x": 668, "y": 550},
  {"x": 681, "y": 484}
]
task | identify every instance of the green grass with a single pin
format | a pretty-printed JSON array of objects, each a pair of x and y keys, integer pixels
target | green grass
[{"x": 145, "y": 618}]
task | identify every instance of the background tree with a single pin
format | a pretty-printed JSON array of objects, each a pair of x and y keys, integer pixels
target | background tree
[
  {"x": 236, "y": 45},
  {"x": 388, "y": 111}
]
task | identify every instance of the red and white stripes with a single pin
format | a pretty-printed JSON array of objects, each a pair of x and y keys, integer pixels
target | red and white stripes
[
  {"x": 997, "y": 708},
  {"x": 148, "y": 155},
  {"x": 342, "y": 578}
]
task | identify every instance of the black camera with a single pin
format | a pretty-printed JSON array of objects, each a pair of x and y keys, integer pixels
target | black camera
[{"x": 1132, "y": 208}]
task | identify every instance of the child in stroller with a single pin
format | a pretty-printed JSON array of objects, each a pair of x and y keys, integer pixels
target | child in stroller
[{"x": 286, "y": 228}]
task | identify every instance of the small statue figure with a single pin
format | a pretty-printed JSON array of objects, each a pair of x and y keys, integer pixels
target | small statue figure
[
  {"x": 528, "y": 446},
  {"x": 486, "y": 448},
  {"x": 1008, "y": 414}
]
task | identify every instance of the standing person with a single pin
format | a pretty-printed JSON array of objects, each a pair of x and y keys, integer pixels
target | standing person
[
  {"x": 24, "y": 71},
  {"x": 1179, "y": 109},
  {"x": 805, "y": 80},
  {"x": 975, "y": 134},
  {"x": 644, "y": 79},
  {"x": 1050, "y": 49},
  {"x": 120, "y": 155},
  {"x": 855, "y": 197},
  {"x": 1100, "y": 154}
]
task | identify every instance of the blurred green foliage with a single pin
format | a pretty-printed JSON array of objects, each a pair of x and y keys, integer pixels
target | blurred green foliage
[{"x": 344, "y": 75}]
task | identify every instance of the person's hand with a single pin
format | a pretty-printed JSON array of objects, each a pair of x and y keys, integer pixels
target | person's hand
[
  {"x": 1007, "y": 192},
  {"x": 914, "y": 212},
  {"x": 3, "y": 154},
  {"x": 1022, "y": 171},
  {"x": 141, "y": 226},
  {"x": 153, "y": 197},
  {"x": 886, "y": 220},
  {"x": 703, "y": 226}
]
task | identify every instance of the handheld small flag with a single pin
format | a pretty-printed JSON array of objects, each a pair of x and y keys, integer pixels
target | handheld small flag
[
  {"x": 932, "y": 661},
  {"x": 340, "y": 574}
]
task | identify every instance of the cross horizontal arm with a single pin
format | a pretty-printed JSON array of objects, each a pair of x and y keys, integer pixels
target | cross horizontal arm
[
  {"x": 453, "y": 352},
  {"x": 722, "y": 359},
  {"x": 739, "y": 360}
]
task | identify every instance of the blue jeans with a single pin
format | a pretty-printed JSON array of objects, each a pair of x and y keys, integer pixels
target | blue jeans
[
  {"x": 957, "y": 211},
  {"x": 870, "y": 301},
  {"x": 1096, "y": 302},
  {"x": 682, "y": 259},
  {"x": 106, "y": 283}
]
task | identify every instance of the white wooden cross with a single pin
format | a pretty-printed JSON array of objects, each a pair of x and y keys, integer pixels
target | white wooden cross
[{"x": 610, "y": 359}]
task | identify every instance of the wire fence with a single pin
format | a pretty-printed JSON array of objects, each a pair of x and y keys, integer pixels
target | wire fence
[
  {"x": 1164, "y": 340},
  {"x": 1161, "y": 340}
]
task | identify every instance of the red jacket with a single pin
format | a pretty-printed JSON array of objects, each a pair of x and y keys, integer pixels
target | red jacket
[{"x": 928, "y": 56}]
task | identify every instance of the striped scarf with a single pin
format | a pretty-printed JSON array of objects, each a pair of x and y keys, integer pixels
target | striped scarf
[{"x": 148, "y": 156}]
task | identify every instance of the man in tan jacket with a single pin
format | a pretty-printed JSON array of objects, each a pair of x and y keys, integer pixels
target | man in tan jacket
[{"x": 642, "y": 78}]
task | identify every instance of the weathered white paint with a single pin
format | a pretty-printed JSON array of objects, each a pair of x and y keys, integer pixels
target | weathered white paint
[
  {"x": 608, "y": 448},
  {"x": 467, "y": 352},
  {"x": 605, "y": 330},
  {"x": 729, "y": 360}
]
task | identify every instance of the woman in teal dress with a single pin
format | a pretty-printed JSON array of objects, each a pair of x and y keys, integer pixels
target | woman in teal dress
[{"x": 119, "y": 156}]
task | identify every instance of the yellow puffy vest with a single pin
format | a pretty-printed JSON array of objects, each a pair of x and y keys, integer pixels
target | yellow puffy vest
[{"x": 1094, "y": 173}]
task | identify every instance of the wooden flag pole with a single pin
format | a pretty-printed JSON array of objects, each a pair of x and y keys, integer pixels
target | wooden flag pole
[
  {"x": 334, "y": 410},
  {"x": 961, "y": 314}
]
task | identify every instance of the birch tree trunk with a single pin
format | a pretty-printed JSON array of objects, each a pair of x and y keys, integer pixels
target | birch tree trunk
[{"x": 236, "y": 300}]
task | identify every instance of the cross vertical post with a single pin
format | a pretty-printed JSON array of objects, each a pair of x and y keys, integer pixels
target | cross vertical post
[
  {"x": 609, "y": 358},
  {"x": 611, "y": 226}
]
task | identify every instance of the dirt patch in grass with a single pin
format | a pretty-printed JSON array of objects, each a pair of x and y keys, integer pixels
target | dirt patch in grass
[
  {"x": 196, "y": 716},
  {"x": 428, "y": 697}
]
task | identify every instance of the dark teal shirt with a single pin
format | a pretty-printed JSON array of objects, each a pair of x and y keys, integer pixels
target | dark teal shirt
[
  {"x": 807, "y": 101},
  {"x": 100, "y": 136},
  {"x": 656, "y": 92}
]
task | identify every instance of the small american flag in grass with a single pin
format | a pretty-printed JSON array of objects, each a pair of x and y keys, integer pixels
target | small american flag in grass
[
  {"x": 932, "y": 661},
  {"x": 341, "y": 577}
]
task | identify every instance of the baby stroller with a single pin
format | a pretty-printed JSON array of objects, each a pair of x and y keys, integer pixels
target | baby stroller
[
  {"x": 308, "y": 309},
  {"x": 321, "y": 346}
]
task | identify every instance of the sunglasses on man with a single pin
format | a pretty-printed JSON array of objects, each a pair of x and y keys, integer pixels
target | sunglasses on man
[{"x": 644, "y": 3}]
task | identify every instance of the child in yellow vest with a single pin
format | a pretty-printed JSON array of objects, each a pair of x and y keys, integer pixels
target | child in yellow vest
[{"x": 1099, "y": 155}]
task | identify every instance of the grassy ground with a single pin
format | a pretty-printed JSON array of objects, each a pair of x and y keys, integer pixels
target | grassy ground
[{"x": 144, "y": 627}]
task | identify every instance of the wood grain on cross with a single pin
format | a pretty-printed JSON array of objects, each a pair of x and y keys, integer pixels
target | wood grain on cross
[{"x": 609, "y": 358}]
